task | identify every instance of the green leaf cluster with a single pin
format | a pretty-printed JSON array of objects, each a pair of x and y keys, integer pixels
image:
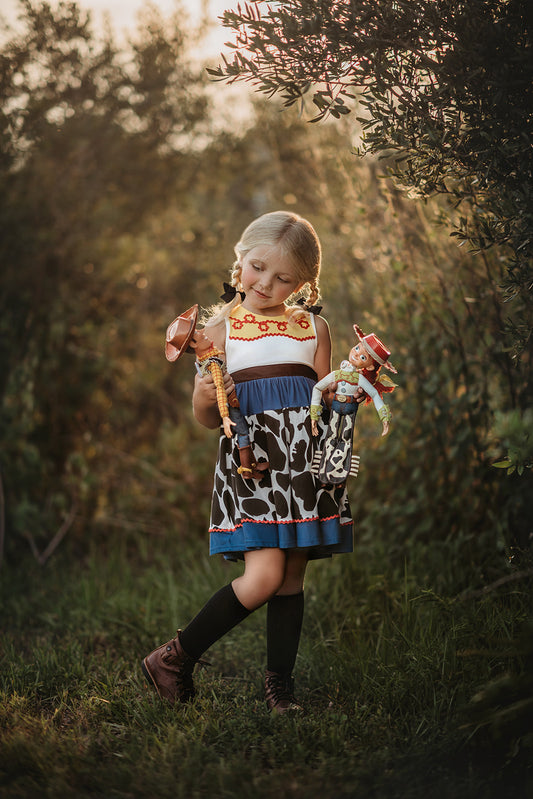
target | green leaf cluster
[{"x": 444, "y": 88}]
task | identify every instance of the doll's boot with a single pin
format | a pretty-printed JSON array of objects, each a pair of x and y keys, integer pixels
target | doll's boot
[
  {"x": 279, "y": 693},
  {"x": 169, "y": 670},
  {"x": 249, "y": 468}
]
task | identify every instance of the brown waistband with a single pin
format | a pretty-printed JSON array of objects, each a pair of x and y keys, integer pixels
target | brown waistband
[
  {"x": 275, "y": 370},
  {"x": 345, "y": 398}
]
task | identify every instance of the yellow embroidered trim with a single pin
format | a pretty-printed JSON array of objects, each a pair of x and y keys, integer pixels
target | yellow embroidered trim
[{"x": 246, "y": 326}]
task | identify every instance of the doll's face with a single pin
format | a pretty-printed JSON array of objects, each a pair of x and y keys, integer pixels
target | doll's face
[
  {"x": 360, "y": 358},
  {"x": 200, "y": 342}
]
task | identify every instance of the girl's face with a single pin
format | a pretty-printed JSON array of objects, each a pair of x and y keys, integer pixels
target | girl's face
[
  {"x": 269, "y": 278},
  {"x": 360, "y": 358}
]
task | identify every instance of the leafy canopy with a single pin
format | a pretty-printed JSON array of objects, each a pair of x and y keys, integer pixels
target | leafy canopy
[{"x": 444, "y": 87}]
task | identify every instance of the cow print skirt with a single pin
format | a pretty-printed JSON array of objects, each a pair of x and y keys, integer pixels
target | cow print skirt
[{"x": 288, "y": 508}]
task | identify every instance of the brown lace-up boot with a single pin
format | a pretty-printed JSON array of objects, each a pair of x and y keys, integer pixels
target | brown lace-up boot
[
  {"x": 169, "y": 670},
  {"x": 279, "y": 694}
]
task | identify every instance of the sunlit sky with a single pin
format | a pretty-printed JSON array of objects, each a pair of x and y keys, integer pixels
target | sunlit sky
[
  {"x": 231, "y": 103},
  {"x": 123, "y": 15}
]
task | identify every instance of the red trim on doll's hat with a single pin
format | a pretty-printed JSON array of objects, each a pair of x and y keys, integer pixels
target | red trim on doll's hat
[
  {"x": 375, "y": 348},
  {"x": 179, "y": 333}
]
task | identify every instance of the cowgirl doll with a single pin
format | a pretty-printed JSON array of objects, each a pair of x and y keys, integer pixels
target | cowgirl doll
[
  {"x": 275, "y": 352},
  {"x": 361, "y": 370}
]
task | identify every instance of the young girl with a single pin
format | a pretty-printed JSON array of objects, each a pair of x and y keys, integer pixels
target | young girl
[{"x": 275, "y": 352}]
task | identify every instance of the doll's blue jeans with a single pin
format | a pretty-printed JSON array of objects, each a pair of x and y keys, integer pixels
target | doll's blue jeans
[
  {"x": 344, "y": 408},
  {"x": 241, "y": 426}
]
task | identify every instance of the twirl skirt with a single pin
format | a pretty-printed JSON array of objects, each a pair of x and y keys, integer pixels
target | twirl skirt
[{"x": 288, "y": 508}]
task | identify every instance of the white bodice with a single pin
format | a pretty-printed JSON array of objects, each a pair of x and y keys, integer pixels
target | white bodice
[{"x": 255, "y": 340}]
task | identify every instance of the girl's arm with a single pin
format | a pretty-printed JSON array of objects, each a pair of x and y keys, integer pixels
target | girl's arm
[
  {"x": 323, "y": 349},
  {"x": 322, "y": 365}
]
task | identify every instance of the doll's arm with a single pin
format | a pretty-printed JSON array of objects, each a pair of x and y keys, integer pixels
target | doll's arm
[
  {"x": 204, "y": 399},
  {"x": 315, "y": 409},
  {"x": 316, "y": 396},
  {"x": 383, "y": 410},
  {"x": 222, "y": 398}
]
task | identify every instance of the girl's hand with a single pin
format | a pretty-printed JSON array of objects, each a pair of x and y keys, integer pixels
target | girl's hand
[
  {"x": 229, "y": 385},
  {"x": 331, "y": 390},
  {"x": 329, "y": 395},
  {"x": 385, "y": 428},
  {"x": 204, "y": 401},
  {"x": 314, "y": 427}
]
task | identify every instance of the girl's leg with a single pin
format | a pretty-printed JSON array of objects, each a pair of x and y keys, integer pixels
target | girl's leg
[
  {"x": 263, "y": 574},
  {"x": 219, "y": 615},
  {"x": 284, "y": 625},
  {"x": 169, "y": 667}
]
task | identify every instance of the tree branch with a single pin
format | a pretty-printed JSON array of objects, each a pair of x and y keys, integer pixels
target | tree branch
[
  {"x": 42, "y": 557},
  {"x": 487, "y": 589}
]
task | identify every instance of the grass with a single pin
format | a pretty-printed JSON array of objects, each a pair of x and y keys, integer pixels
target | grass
[{"x": 387, "y": 671}]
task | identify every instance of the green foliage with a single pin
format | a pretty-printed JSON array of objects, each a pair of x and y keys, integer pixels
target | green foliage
[
  {"x": 445, "y": 88},
  {"x": 77, "y": 113},
  {"x": 117, "y": 211},
  {"x": 98, "y": 438},
  {"x": 397, "y": 682},
  {"x": 514, "y": 430}
]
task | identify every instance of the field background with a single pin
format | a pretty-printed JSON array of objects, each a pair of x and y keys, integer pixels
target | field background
[{"x": 127, "y": 178}]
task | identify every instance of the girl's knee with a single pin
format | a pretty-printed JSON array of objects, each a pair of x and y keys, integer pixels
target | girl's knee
[
  {"x": 259, "y": 588},
  {"x": 263, "y": 576},
  {"x": 268, "y": 585}
]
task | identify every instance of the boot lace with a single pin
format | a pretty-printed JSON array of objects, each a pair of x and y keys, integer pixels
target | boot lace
[{"x": 279, "y": 692}]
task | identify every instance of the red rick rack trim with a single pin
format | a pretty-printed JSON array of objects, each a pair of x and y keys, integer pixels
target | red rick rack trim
[
  {"x": 289, "y": 521},
  {"x": 262, "y": 328}
]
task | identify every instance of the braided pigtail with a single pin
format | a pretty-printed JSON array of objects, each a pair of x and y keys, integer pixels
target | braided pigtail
[
  {"x": 236, "y": 273},
  {"x": 233, "y": 296},
  {"x": 306, "y": 304},
  {"x": 313, "y": 296}
]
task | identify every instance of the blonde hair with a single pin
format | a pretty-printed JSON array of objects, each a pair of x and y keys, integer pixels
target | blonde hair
[{"x": 298, "y": 242}]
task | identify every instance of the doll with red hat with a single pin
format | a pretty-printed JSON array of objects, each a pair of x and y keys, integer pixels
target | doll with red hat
[
  {"x": 335, "y": 462},
  {"x": 183, "y": 336}
]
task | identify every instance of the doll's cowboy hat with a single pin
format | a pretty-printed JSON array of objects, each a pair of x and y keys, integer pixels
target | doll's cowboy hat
[
  {"x": 375, "y": 348},
  {"x": 179, "y": 333}
]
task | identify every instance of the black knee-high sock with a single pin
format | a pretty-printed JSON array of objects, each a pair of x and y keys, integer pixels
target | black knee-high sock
[
  {"x": 218, "y": 616},
  {"x": 284, "y": 625}
]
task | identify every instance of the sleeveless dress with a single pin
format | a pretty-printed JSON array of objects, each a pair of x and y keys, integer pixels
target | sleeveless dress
[{"x": 271, "y": 361}]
